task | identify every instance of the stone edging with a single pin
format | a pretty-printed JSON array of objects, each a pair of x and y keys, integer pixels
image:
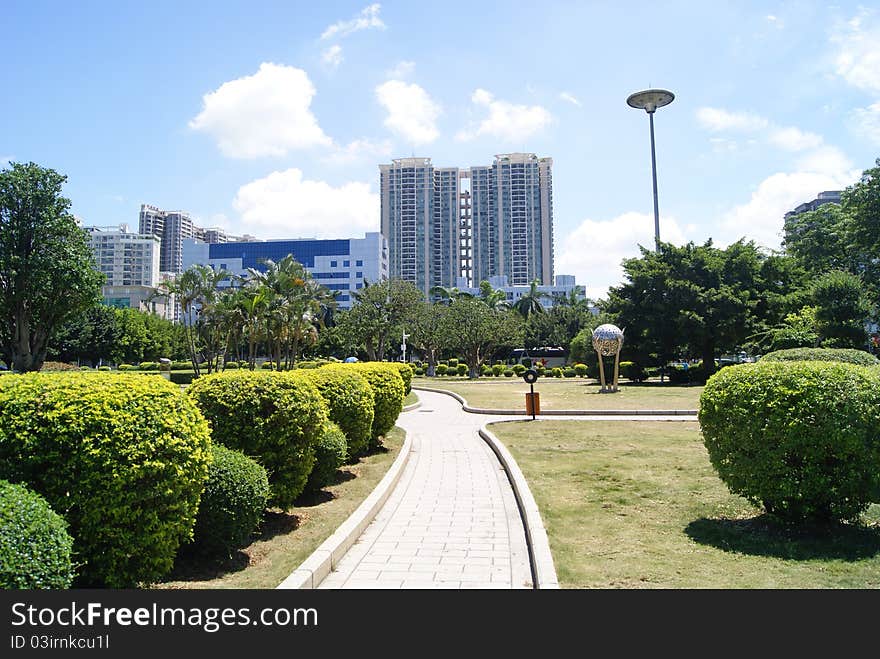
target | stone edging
[
  {"x": 543, "y": 570},
  {"x": 410, "y": 408},
  {"x": 522, "y": 412},
  {"x": 312, "y": 571}
]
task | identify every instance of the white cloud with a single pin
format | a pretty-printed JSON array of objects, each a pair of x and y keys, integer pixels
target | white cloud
[
  {"x": 794, "y": 139},
  {"x": 360, "y": 149},
  {"x": 367, "y": 19},
  {"x": 867, "y": 122},
  {"x": 761, "y": 218},
  {"x": 858, "y": 56},
  {"x": 411, "y": 112},
  {"x": 717, "y": 119},
  {"x": 265, "y": 114},
  {"x": 565, "y": 96},
  {"x": 402, "y": 69},
  {"x": 332, "y": 56},
  {"x": 594, "y": 250},
  {"x": 284, "y": 205},
  {"x": 506, "y": 121}
]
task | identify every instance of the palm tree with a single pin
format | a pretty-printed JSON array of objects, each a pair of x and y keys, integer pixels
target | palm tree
[
  {"x": 495, "y": 298},
  {"x": 449, "y": 294},
  {"x": 530, "y": 302}
]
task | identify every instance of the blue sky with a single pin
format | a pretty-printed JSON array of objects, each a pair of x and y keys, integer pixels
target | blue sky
[{"x": 271, "y": 117}]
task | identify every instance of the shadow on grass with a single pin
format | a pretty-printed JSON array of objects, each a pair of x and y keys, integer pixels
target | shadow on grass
[
  {"x": 763, "y": 536},
  {"x": 193, "y": 566}
]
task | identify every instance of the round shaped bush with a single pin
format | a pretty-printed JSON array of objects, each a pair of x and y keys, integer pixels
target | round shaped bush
[
  {"x": 556, "y": 372},
  {"x": 497, "y": 369},
  {"x": 124, "y": 367},
  {"x": 580, "y": 370},
  {"x": 388, "y": 395},
  {"x": 330, "y": 454},
  {"x": 122, "y": 457},
  {"x": 275, "y": 417},
  {"x": 508, "y": 372},
  {"x": 519, "y": 369},
  {"x": 406, "y": 373},
  {"x": 453, "y": 363},
  {"x": 799, "y": 438},
  {"x": 181, "y": 366},
  {"x": 845, "y": 355},
  {"x": 232, "y": 504},
  {"x": 230, "y": 366},
  {"x": 149, "y": 366},
  {"x": 441, "y": 369},
  {"x": 35, "y": 546},
  {"x": 461, "y": 369},
  {"x": 349, "y": 398},
  {"x": 103, "y": 368},
  {"x": 267, "y": 366},
  {"x": 569, "y": 372}
]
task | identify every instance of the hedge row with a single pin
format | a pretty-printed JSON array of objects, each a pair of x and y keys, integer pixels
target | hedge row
[
  {"x": 798, "y": 438},
  {"x": 845, "y": 355},
  {"x": 122, "y": 458},
  {"x": 388, "y": 392},
  {"x": 349, "y": 398}
]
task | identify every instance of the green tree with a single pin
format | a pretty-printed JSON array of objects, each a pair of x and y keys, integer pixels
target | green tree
[
  {"x": 379, "y": 314},
  {"x": 47, "y": 270},
  {"x": 495, "y": 298},
  {"x": 427, "y": 332},
  {"x": 530, "y": 302},
  {"x": 841, "y": 310},
  {"x": 475, "y": 331}
]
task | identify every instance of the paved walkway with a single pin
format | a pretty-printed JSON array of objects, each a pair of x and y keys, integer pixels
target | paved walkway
[{"x": 452, "y": 520}]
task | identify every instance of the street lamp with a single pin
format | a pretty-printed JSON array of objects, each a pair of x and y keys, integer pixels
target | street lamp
[{"x": 649, "y": 100}]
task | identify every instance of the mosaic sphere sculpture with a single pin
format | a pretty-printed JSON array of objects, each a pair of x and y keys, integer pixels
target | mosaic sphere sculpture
[{"x": 607, "y": 339}]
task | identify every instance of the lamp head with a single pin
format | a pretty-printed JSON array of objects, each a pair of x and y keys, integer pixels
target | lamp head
[{"x": 650, "y": 99}]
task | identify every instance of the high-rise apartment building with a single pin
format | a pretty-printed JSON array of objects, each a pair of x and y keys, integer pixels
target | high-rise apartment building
[
  {"x": 828, "y": 197},
  {"x": 446, "y": 223},
  {"x": 173, "y": 227}
]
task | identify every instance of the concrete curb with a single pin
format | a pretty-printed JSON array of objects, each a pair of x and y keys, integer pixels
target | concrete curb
[
  {"x": 312, "y": 571},
  {"x": 410, "y": 408},
  {"x": 543, "y": 570},
  {"x": 522, "y": 412}
]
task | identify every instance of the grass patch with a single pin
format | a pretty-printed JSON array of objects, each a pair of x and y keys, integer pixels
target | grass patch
[
  {"x": 287, "y": 538},
  {"x": 411, "y": 399},
  {"x": 568, "y": 394},
  {"x": 638, "y": 505}
]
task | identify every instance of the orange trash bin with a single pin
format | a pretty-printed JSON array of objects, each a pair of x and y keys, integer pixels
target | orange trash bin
[{"x": 533, "y": 403}]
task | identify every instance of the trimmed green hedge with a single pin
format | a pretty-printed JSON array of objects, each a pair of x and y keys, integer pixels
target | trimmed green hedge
[
  {"x": 845, "y": 355},
  {"x": 122, "y": 457},
  {"x": 388, "y": 395},
  {"x": 406, "y": 373},
  {"x": 232, "y": 504},
  {"x": 35, "y": 546},
  {"x": 349, "y": 398},
  {"x": 799, "y": 438},
  {"x": 330, "y": 454},
  {"x": 275, "y": 417}
]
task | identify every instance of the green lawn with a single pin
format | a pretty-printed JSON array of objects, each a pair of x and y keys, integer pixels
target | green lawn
[
  {"x": 567, "y": 394},
  {"x": 638, "y": 505},
  {"x": 287, "y": 538}
]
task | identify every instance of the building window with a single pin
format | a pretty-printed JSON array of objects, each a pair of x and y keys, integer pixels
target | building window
[
  {"x": 359, "y": 263},
  {"x": 333, "y": 264},
  {"x": 359, "y": 275},
  {"x": 359, "y": 286},
  {"x": 346, "y": 264}
]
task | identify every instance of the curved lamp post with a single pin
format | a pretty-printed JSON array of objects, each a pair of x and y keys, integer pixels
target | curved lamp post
[{"x": 649, "y": 100}]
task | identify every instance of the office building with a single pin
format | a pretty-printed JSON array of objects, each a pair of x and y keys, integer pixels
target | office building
[
  {"x": 488, "y": 220},
  {"x": 343, "y": 265},
  {"x": 562, "y": 288},
  {"x": 829, "y": 197}
]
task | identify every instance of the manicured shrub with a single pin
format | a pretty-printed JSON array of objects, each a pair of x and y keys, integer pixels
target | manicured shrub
[
  {"x": 149, "y": 366},
  {"x": 232, "y": 504},
  {"x": 556, "y": 372},
  {"x": 569, "y": 372},
  {"x": 104, "y": 368},
  {"x": 485, "y": 370},
  {"x": 388, "y": 395},
  {"x": 632, "y": 371},
  {"x": 497, "y": 369},
  {"x": 508, "y": 372},
  {"x": 519, "y": 369},
  {"x": 85, "y": 368},
  {"x": 418, "y": 370},
  {"x": 307, "y": 364},
  {"x": 182, "y": 377},
  {"x": 527, "y": 362},
  {"x": 122, "y": 457},
  {"x": 181, "y": 366},
  {"x": 461, "y": 369},
  {"x": 580, "y": 370},
  {"x": 453, "y": 363},
  {"x": 275, "y": 417},
  {"x": 406, "y": 373},
  {"x": 845, "y": 355},
  {"x": 350, "y": 401},
  {"x": 330, "y": 454},
  {"x": 35, "y": 546},
  {"x": 267, "y": 366},
  {"x": 125, "y": 367},
  {"x": 230, "y": 366},
  {"x": 441, "y": 369},
  {"x": 798, "y": 438}
]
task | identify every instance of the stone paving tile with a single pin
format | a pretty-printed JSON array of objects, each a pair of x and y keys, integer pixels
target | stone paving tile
[{"x": 450, "y": 517}]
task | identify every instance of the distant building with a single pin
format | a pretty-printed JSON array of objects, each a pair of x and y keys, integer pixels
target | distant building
[
  {"x": 829, "y": 197},
  {"x": 130, "y": 263},
  {"x": 446, "y": 223},
  {"x": 172, "y": 228},
  {"x": 343, "y": 265}
]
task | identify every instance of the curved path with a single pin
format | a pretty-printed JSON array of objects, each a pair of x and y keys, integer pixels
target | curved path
[{"x": 452, "y": 521}]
